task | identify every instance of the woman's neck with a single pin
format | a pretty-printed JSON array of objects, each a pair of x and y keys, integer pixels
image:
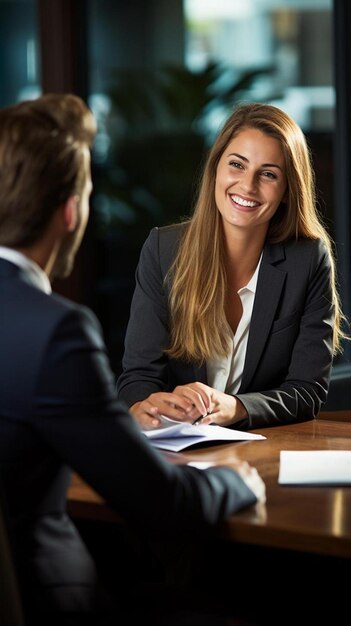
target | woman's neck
[{"x": 242, "y": 257}]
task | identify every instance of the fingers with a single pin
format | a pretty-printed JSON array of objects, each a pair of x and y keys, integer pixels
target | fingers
[
  {"x": 204, "y": 419},
  {"x": 252, "y": 479},
  {"x": 194, "y": 402},
  {"x": 199, "y": 395},
  {"x": 222, "y": 410},
  {"x": 174, "y": 406},
  {"x": 147, "y": 418}
]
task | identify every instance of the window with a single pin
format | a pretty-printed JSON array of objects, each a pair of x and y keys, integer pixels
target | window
[
  {"x": 288, "y": 43},
  {"x": 19, "y": 51}
]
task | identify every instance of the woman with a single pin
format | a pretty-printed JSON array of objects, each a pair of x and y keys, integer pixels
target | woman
[{"x": 235, "y": 316}]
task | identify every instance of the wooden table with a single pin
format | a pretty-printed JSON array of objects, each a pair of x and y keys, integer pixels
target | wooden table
[{"x": 315, "y": 520}]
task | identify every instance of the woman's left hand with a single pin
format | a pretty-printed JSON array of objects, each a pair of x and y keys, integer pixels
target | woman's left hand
[{"x": 221, "y": 408}]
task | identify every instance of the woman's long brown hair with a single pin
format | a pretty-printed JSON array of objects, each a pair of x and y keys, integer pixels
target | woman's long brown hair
[{"x": 199, "y": 328}]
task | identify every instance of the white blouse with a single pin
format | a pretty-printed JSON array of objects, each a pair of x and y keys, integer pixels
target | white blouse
[{"x": 225, "y": 374}]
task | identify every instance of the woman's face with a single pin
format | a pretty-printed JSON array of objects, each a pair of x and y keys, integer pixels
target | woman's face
[{"x": 251, "y": 181}]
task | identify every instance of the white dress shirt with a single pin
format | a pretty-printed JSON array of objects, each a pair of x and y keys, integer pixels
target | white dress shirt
[
  {"x": 34, "y": 273},
  {"x": 225, "y": 374}
]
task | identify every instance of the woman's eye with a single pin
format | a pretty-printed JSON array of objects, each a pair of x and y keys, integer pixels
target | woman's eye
[
  {"x": 269, "y": 175},
  {"x": 236, "y": 164}
]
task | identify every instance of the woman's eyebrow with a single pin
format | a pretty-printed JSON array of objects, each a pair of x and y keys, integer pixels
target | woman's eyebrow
[{"x": 240, "y": 156}]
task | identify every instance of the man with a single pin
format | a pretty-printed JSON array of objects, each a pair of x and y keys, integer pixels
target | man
[{"x": 58, "y": 407}]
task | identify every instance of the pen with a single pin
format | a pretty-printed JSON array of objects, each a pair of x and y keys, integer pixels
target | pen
[{"x": 200, "y": 418}]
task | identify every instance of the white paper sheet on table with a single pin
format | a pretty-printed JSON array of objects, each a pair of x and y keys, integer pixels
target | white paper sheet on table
[
  {"x": 315, "y": 467},
  {"x": 176, "y": 436}
]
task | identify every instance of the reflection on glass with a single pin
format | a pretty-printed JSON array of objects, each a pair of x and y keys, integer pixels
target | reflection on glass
[
  {"x": 19, "y": 51},
  {"x": 292, "y": 37}
]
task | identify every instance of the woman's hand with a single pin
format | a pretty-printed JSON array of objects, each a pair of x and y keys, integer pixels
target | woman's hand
[
  {"x": 216, "y": 407},
  {"x": 187, "y": 403},
  {"x": 175, "y": 406}
]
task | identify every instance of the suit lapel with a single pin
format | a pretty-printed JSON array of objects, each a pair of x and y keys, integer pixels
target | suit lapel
[{"x": 269, "y": 287}]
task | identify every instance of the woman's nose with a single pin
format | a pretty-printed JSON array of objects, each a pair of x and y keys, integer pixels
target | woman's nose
[{"x": 248, "y": 181}]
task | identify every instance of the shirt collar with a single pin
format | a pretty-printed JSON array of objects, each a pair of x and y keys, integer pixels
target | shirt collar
[
  {"x": 252, "y": 284},
  {"x": 33, "y": 271}
]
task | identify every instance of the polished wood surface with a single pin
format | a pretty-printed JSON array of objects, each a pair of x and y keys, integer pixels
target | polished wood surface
[
  {"x": 308, "y": 519},
  {"x": 339, "y": 416}
]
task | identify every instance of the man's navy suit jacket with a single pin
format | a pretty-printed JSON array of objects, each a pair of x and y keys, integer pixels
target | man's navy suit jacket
[
  {"x": 59, "y": 410},
  {"x": 289, "y": 352}
]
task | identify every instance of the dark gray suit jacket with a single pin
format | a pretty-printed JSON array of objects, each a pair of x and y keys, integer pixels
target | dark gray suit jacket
[
  {"x": 289, "y": 351},
  {"x": 59, "y": 410}
]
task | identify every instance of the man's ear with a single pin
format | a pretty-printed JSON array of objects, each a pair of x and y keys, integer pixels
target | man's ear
[{"x": 70, "y": 213}]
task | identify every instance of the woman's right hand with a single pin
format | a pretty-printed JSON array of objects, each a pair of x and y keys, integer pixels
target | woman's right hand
[{"x": 175, "y": 406}]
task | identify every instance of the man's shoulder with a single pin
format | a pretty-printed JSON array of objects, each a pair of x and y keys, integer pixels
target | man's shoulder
[
  {"x": 65, "y": 308},
  {"x": 48, "y": 311}
]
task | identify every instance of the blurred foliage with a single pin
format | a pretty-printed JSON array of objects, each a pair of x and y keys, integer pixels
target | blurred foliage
[{"x": 160, "y": 125}]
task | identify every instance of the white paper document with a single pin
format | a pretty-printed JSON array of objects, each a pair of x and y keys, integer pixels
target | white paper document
[
  {"x": 176, "y": 436},
  {"x": 315, "y": 467}
]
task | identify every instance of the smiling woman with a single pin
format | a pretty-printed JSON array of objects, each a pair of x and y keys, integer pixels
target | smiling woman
[
  {"x": 250, "y": 185},
  {"x": 235, "y": 312}
]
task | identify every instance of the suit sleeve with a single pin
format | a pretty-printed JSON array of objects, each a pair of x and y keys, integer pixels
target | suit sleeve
[
  {"x": 145, "y": 366},
  {"x": 78, "y": 415},
  {"x": 301, "y": 394}
]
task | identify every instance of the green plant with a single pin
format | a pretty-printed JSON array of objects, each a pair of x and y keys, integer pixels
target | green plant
[{"x": 160, "y": 128}]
